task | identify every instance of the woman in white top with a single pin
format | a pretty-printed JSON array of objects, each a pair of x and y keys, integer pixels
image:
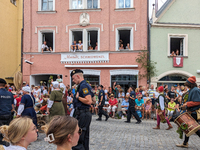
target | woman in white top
[{"x": 20, "y": 133}]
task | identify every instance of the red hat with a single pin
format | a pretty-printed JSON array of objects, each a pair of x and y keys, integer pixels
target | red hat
[
  {"x": 191, "y": 79},
  {"x": 161, "y": 89}
]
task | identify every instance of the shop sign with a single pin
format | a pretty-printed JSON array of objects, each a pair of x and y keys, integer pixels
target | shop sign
[{"x": 83, "y": 57}]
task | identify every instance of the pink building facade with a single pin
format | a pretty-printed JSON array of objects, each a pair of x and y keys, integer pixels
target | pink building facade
[{"x": 102, "y": 26}]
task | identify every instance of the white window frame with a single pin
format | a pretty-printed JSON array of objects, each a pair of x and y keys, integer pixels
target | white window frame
[
  {"x": 185, "y": 43},
  {"x": 84, "y": 37},
  {"x": 117, "y": 37},
  {"x": 84, "y": 4},
  {"x": 40, "y": 6},
  {"x": 117, "y": 4},
  {"x": 40, "y": 38}
]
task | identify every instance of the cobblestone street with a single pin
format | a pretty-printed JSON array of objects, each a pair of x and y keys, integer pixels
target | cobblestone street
[{"x": 117, "y": 135}]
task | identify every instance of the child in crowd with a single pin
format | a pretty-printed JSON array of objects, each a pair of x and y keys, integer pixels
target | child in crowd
[
  {"x": 148, "y": 105},
  {"x": 171, "y": 108}
]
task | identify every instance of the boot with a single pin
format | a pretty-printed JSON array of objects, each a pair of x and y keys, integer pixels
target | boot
[
  {"x": 170, "y": 126},
  {"x": 182, "y": 145},
  {"x": 157, "y": 127}
]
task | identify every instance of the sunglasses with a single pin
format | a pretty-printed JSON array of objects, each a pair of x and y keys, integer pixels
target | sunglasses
[{"x": 80, "y": 131}]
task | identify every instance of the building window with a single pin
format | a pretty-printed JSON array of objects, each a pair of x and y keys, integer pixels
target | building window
[
  {"x": 84, "y": 4},
  {"x": 84, "y": 40},
  {"x": 47, "y": 36},
  {"x": 92, "y": 4},
  {"x": 124, "y": 39},
  {"x": 177, "y": 45},
  {"x": 13, "y": 2},
  {"x": 92, "y": 40},
  {"x": 77, "y": 4},
  {"x": 47, "y": 5},
  {"x": 124, "y": 3}
]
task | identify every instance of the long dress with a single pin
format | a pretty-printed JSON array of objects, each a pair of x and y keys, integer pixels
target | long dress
[
  {"x": 29, "y": 107},
  {"x": 57, "y": 107}
]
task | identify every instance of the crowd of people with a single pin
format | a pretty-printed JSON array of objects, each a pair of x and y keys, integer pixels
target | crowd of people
[{"x": 60, "y": 100}]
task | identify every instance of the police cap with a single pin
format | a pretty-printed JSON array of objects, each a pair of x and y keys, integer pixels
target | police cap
[
  {"x": 75, "y": 71},
  {"x": 2, "y": 81}
]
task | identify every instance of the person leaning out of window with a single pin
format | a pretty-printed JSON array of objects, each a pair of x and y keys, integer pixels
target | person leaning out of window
[{"x": 45, "y": 47}]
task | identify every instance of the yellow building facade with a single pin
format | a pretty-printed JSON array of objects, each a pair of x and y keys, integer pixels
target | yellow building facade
[{"x": 11, "y": 15}]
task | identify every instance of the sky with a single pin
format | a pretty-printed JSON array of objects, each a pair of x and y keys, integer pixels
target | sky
[{"x": 151, "y": 2}]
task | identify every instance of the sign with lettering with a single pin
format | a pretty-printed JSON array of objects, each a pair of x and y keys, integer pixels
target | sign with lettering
[{"x": 88, "y": 57}]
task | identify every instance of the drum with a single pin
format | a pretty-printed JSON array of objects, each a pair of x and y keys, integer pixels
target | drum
[
  {"x": 162, "y": 116},
  {"x": 185, "y": 120}
]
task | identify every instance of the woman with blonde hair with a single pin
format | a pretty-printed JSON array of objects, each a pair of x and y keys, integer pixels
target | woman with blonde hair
[
  {"x": 63, "y": 131},
  {"x": 20, "y": 133}
]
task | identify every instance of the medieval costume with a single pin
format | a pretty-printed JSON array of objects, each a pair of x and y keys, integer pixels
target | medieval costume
[
  {"x": 161, "y": 110},
  {"x": 192, "y": 104}
]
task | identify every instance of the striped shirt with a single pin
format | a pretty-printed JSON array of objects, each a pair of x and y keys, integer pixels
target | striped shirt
[{"x": 150, "y": 91}]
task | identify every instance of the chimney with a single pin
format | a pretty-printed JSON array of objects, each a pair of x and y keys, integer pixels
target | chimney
[{"x": 156, "y": 6}]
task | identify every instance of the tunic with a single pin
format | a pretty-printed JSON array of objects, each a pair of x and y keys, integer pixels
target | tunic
[
  {"x": 28, "y": 107},
  {"x": 57, "y": 107}
]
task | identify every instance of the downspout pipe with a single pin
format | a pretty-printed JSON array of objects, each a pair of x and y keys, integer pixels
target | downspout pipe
[
  {"x": 148, "y": 39},
  {"x": 22, "y": 37}
]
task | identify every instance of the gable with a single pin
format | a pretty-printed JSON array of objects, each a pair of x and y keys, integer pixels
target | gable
[{"x": 180, "y": 11}]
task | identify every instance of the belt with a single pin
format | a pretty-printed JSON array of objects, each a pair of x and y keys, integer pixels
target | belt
[
  {"x": 57, "y": 101},
  {"x": 29, "y": 107},
  {"x": 83, "y": 110}
]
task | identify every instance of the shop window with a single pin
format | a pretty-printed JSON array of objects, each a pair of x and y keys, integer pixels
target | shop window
[
  {"x": 124, "y": 40},
  {"x": 84, "y": 4},
  {"x": 124, "y": 3},
  {"x": 177, "y": 45},
  {"x": 92, "y": 40},
  {"x": 125, "y": 81},
  {"x": 91, "y": 79}
]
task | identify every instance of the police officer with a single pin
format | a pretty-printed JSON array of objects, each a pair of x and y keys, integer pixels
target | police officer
[
  {"x": 131, "y": 108},
  {"x": 101, "y": 103},
  {"x": 82, "y": 103},
  {"x": 6, "y": 107}
]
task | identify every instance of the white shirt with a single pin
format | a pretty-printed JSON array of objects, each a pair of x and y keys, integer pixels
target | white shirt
[
  {"x": 14, "y": 147},
  {"x": 43, "y": 46},
  {"x": 156, "y": 94},
  {"x": 45, "y": 92}
]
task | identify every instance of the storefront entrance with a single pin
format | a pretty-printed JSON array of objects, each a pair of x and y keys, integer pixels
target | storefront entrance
[{"x": 42, "y": 78}]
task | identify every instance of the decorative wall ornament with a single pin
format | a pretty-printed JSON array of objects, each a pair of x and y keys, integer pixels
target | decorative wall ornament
[{"x": 84, "y": 19}]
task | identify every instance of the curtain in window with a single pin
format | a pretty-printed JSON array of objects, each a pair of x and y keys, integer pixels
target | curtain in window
[
  {"x": 77, "y": 4},
  {"x": 89, "y": 4},
  {"x": 127, "y": 3},
  {"x": 44, "y": 4},
  {"x": 95, "y": 3},
  {"x": 121, "y": 3},
  {"x": 50, "y": 4}
]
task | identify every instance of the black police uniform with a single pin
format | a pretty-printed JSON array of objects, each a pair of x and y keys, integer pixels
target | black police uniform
[
  {"x": 83, "y": 115},
  {"x": 131, "y": 108},
  {"x": 101, "y": 111},
  {"x": 6, "y": 101}
]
